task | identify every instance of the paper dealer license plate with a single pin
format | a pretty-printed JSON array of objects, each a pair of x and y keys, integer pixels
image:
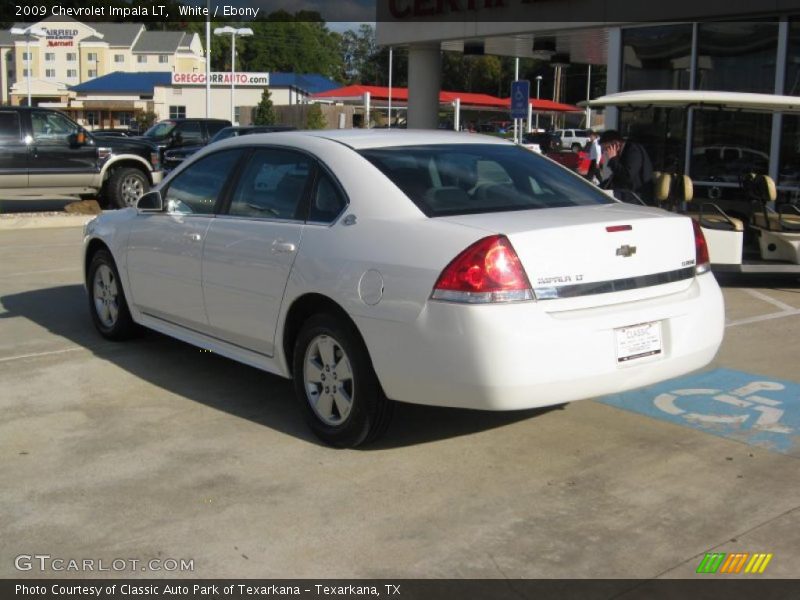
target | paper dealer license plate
[{"x": 638, "y": 341}]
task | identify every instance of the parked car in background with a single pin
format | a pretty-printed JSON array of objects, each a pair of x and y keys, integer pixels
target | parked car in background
[
  {"x": 174, "y": 157},
  {"x": 542, "y": 141},
  {"x": 45, "y": 154},
  {"x": 419, "y": 266},
  {"x": 177, "y": 133},
  {"x": 573, "y": 139}
]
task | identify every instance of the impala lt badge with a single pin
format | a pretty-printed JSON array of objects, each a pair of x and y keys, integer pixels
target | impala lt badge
[{"x": 626, "y": 250}]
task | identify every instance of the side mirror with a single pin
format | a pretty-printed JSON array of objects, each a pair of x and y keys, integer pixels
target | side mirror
[
  {"x": 151, "y": 202},
  {"x": 77, "y": 139}
]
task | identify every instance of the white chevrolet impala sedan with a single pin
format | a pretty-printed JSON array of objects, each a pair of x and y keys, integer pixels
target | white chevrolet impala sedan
[{"x": 428, "y": 267}]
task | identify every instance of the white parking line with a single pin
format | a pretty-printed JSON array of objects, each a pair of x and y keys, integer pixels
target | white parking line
[
  {"x": 768, "y": 317},
  {"x": 770, "y": 299},
  {"x": 21, "y": 273},
  {"x": 38, "y": 354}
]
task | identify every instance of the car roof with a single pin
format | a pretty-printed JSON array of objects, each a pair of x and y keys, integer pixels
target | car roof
[
  {"x": 700, "y": 98},
  {"x": 360, "y": 139}
]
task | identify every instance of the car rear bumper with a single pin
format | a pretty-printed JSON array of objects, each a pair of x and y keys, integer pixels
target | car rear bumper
[{"x": 517, "y": 356}]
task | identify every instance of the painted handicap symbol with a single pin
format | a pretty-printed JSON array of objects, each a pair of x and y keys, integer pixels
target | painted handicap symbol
[{"x": 765, "y": 410}]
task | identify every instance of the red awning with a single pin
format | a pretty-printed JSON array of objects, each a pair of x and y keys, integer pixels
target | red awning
[{"x": 377, "y": 93}]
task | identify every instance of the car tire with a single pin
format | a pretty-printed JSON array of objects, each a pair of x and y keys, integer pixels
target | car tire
[
  {"x": 107, "y": 303},
  {"x": 336, "y": 385},
  {"x": 126, "y": 186},
  {"x": 576, "y": 147}
]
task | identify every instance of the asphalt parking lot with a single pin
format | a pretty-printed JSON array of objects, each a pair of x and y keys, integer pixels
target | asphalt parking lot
[{"x": 155, "y": 449}]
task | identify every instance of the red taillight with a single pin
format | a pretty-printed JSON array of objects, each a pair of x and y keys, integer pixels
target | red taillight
[
  {"x": 488, "y": 271},
  {"x": 702, "y": 261}
]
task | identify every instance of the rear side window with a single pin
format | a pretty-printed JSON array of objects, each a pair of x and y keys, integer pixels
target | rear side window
[
  {"x": 272, "y": 185},
  {"x": 457, "y": 179},
  {"x": 326, "y": 202},
  {"x": 9, "y": 126},
  {"x": 214, "y": 127},
  {"x": 195, "y": 190}
]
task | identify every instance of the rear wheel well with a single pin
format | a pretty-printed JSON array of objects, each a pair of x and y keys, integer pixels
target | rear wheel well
[
  {"x": 91, "y": 250},
  {"x": 303, "y": 309}
]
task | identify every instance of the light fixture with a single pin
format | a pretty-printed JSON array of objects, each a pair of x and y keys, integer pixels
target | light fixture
[
  {"x": 543, "y": 48},
  {"x": 233, "y": 32},
  {"x": 562, "y": 59}
]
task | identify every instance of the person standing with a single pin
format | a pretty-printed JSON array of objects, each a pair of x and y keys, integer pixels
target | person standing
[
  {"x": 595, "y": 155},
  {"x": 630, "y": 166}
]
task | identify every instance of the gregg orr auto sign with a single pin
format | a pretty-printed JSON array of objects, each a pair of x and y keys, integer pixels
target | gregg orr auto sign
[{"x": 240, "y": 79}]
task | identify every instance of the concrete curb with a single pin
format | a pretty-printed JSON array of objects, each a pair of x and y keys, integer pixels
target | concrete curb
[{"x": 25, "y": 221}]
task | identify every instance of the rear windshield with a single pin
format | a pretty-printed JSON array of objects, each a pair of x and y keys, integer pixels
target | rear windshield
[{"x": 459, "y": 179}]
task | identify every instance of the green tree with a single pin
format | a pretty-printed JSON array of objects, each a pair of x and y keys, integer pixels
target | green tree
[
  {"x": 264, "y": 113},
  {"x": 314, "y": 118}
]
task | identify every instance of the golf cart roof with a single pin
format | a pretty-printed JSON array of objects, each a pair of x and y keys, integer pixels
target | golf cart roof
[{"x": 700, "y": 99}]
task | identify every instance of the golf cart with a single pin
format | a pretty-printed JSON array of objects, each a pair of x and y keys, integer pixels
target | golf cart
[{"x": 747, "y": 229}]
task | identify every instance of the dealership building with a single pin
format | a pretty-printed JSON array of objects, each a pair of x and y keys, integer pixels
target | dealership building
[{"x": 740, "y": 47}]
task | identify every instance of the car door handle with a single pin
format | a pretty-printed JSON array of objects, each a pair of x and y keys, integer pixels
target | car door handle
[
  {"x": 194, "y": 237},
  {"x": 281, "y": 246}
]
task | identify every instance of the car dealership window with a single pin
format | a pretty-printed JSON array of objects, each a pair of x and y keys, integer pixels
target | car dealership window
[
  {"x": 177, "y": 112},
  {"x": 194, "y": 191},
  {"x": 271, "y": 185}
]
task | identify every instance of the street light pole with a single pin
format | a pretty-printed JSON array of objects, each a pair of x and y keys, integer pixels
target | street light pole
[
  {"x": 28, "y": 32},
  {"x": 208, "y": 59},
  {"x": 233, "y": 32},
  {"x": 538, "y": 85}
]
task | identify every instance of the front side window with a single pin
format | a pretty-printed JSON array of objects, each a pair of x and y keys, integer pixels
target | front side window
[
  {"x": 455, "y": 179},
  {"x": 195, "y": 190},
  {"x": 51, "y": 127},
  {"x": 272, "y": 185}
]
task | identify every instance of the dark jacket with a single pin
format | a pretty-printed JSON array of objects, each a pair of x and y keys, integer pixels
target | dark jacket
[{"x": 632, "y": 171}]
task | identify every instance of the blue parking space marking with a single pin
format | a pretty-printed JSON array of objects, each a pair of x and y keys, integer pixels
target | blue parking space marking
[{"x": 758, "y": 410}]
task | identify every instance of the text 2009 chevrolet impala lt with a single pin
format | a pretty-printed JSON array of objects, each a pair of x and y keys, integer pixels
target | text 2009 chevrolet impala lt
[{"x": 426, "y": 267}]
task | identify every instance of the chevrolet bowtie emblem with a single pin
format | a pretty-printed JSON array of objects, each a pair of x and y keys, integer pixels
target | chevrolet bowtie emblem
[{"x": 626, "y": 250}]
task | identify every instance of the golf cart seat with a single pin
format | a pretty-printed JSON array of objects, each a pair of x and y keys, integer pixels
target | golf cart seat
[
  {"x": 762, "y": 189},
  {"x": 675, "y": 189}
]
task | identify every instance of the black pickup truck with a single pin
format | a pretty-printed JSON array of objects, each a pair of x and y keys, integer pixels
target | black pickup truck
[
  {"x": 44, "y": 154},
  {"x": 173, "y": 134}
]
